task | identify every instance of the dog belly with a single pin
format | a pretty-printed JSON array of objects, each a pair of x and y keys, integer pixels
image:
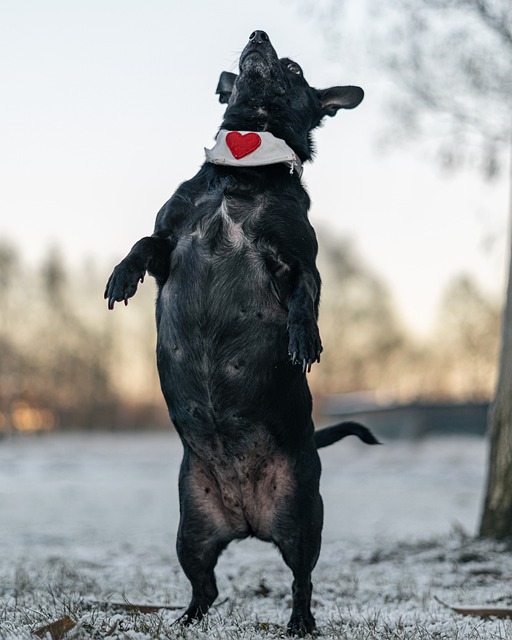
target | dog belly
[
  {"x": 221, "y": 393},
  {"x": 241, "y": 497}
]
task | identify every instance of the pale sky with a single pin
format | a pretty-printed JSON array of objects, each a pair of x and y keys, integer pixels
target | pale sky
[{"x": 106, "y": 107}]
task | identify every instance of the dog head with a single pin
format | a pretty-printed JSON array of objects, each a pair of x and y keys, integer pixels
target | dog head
[{"x": 271, "y": 94}]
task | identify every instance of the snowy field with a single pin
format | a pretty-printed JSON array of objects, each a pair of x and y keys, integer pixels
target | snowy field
[{"x": 88, "y": 522}]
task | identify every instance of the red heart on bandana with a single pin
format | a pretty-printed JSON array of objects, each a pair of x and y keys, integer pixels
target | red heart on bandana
[{"x": 242, "y": 145}]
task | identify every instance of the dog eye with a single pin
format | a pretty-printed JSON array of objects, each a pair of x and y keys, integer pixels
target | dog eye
[{"x": 294, "y": 68}]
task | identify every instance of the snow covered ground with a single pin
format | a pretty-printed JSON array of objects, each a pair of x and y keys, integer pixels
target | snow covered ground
[{"x": 87, "y": 520}]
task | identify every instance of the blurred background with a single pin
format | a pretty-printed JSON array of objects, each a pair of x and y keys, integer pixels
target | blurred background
[{"x": 106, "y": 108}]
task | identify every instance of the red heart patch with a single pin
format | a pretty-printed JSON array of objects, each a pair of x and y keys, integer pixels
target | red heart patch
[{"x": 242, "y": 145}]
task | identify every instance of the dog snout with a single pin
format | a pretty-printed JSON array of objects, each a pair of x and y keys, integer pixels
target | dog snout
[
  {"x": 258, "y": 37},
  {"x": 259, "y": 55}
]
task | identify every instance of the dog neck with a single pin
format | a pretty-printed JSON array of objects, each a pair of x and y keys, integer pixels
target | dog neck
[{"x": 252, "y": 149}]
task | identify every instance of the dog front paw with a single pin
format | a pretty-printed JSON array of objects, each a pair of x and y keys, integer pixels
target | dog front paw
[
  {"x": 124, "y": 280},
  {"x": 304, "y": 346}
]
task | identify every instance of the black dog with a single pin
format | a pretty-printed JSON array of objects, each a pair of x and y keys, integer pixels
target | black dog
[{"x": 234, "y": 255}]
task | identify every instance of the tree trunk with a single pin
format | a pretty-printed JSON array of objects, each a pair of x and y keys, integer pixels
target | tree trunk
[{"x": 497, "y": 513}]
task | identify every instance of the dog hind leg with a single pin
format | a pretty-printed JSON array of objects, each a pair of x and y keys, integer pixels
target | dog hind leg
[
  {"x": 202, "y": 535},
  {"x": 198, "y": 559},
  {"x": 299, "y": 540}
]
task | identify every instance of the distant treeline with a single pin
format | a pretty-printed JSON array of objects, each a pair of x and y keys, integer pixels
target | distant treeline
[{"x": 66, "y": 362}]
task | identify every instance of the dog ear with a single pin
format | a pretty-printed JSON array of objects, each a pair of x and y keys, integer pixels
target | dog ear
[
  {"x": 336, "y": 98},
  {"x": 225, "y": 86}
]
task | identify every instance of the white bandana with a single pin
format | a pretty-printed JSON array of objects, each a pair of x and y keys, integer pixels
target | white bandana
[{"x": 252, "y": 149}]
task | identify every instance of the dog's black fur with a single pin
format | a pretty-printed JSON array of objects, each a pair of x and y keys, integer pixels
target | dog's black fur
[{"x": 233, "y": 254}]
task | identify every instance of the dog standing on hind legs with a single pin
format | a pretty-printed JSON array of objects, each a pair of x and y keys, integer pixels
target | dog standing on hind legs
[{"x": 233, "y": 255}]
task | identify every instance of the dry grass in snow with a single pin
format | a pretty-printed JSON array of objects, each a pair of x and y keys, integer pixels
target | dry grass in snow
[{"x": 87, "y": 529}]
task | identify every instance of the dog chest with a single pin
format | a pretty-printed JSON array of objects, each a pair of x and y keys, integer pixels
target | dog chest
[
  {"x": 223, "y": 222},
  {"x": 219, "y": 274}
]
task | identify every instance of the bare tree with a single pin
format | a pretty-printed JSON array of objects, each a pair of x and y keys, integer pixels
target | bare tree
[
  {"x": 451, "y": 61},
  {"x": 361, "y": 333},
  {"x": 466, "y": 344},
  {"x": 497, "y": 513},
  {"x": 454, "y": 62}
]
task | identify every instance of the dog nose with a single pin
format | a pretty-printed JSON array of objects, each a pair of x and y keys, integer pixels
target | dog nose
[{"x": 257, "y": 37}]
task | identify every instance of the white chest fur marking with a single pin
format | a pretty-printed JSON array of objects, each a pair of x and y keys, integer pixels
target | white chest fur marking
[{"x": 234, "y": 232}]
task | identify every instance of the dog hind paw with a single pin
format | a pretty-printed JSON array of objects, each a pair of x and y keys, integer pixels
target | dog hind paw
[{"x": 301, "y": 625}]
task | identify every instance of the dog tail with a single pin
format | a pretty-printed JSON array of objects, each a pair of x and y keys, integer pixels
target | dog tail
[{"x": 329, "y": 435}]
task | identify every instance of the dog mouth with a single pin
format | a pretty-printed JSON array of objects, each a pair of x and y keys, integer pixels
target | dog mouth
[{"x": 253, "y": 58}]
